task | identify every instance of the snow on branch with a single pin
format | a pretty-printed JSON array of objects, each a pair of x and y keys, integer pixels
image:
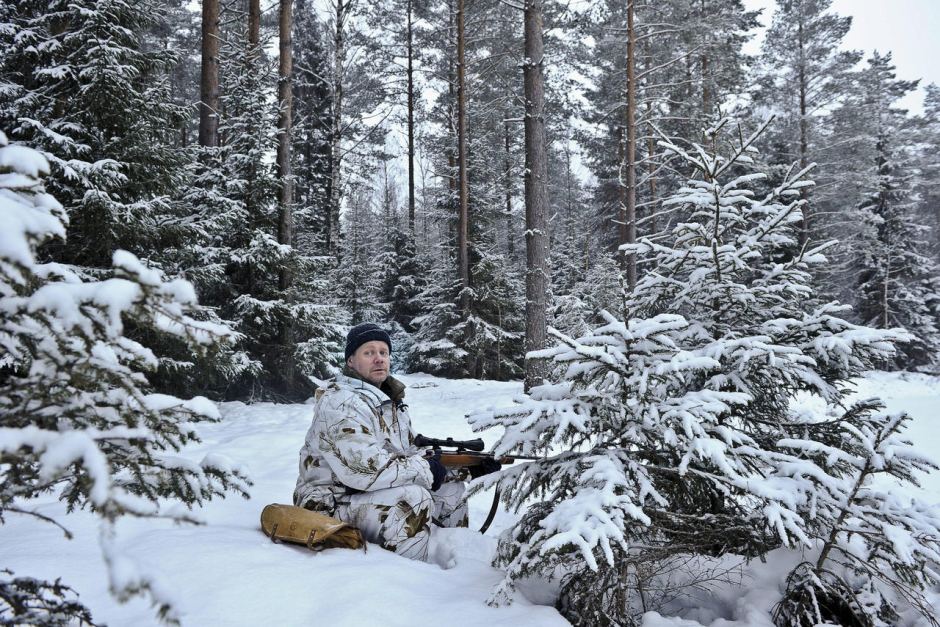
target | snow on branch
[{"x": 77, "y": 415}]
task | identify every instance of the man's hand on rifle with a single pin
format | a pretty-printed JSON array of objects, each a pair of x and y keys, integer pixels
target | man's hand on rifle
[
  {"x": 486, "y": 466},
  {"x": 438, "y": 471}
]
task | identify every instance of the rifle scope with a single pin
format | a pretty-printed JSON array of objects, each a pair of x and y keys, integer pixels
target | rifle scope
[{"x": 469, "y": 445}]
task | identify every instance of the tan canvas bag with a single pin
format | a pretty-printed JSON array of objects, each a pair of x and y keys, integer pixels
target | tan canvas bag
[{"x": 317, "y": 531}]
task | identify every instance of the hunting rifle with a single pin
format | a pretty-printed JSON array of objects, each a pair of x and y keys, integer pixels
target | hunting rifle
[{"x": 467, "y": 453}]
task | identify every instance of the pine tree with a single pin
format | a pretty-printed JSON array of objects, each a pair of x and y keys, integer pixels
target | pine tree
[
  {"x": 77, "y": 413},
  {"x": 669, "y": 431},
  {"x": 805, "y": 74},
  {"x": 682, "y": 76}
]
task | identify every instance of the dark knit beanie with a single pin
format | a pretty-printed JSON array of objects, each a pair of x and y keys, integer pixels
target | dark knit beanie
[{"x": 365, "y": 332}]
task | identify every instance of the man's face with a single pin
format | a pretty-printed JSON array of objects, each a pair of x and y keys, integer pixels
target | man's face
[{"x": 371, "y": 361}]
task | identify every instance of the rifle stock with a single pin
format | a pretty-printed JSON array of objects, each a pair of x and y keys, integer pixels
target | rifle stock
[{"x": 466, "y": 460}]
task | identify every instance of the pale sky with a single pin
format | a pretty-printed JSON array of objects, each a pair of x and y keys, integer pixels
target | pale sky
[{"x": 909, "y": 29}]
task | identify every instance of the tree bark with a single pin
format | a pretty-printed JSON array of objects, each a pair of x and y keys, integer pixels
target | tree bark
[
  {"x": 629, "y": 217},
  {"x": 285, "y": 227},
  {"x": 254, "y": 24},
  {"x": 285, "y": 230},
  {"x": 463, "y": 188},
  {"x": 536, "y": 198},
  {"x": 209, "y": 79},
  {"x": 804, "y": 134},
  {"x": 411, "y": 123},
  {"x": 336, "y": 133},
  {"x": 706, "y": 93}
]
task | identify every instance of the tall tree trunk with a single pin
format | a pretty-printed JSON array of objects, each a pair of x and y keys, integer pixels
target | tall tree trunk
[
  {"x": 628, "y": 213},
  {"x": 706, "y": 93},
  {"x": 254, "y": 24},
  {"x": 252, "y": 55},
  {"x": 285, "y": 227},
  {"x": 507, "y": 183},
  {"x": 452, "y": 99},
  {"x": 411, "y": 123},
  {"x": 463, "y": 193},
  {"x": 336, "y": 132},
  {"x": 285, "y": 230},
  {"x": 209, "y": 79},
  {"x": 804, "y": 135},
  {"x": 536, "y": 198}
]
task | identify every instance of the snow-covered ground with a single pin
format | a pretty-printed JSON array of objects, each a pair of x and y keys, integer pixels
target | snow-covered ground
[{"x": 228, "y": 573}]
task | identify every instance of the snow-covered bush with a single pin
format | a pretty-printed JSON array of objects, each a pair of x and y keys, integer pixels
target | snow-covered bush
[
  {"x": 76, "y": 417},
  {"x": 671, "y": 433}
]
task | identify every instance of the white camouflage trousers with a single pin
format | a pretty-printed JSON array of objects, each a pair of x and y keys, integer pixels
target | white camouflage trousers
[{"x": 399, "y": 518}]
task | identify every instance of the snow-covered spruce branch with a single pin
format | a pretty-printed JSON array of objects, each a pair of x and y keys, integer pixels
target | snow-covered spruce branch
[
  {"x": 876, "y": 547},
  {"x": 78, "y": 420}
]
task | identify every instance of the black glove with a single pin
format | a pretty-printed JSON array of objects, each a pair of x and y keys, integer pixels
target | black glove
[
  {"x": 437, "y": 470},
  {"x": 485, "y": 467}
]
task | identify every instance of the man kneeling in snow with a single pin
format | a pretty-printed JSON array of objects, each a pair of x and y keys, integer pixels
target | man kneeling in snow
[{"x": 359, "y": 463}]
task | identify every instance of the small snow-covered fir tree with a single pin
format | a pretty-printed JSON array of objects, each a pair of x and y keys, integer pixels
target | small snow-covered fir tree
[
  {"x": 575, "y": 311},
  {"x": 77, "y": 419},
  {"x": 435, "y": 349},
  {"x": 485, "y": 342},
  {"x": 671, "y": 432}
]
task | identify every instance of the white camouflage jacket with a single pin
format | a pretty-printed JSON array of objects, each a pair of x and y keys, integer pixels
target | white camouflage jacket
[{"x": 360, "y": 440}]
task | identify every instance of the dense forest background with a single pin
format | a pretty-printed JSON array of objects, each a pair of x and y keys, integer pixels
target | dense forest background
[
  {"x": 369, "y": 164},
  {"x": 200, "y": 199}
]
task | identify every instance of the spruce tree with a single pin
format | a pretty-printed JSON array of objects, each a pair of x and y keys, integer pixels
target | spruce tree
[
  {"x": 79, "y": 418},
  {"x": 890, "y": 251},
  {"x": 311, "y": 130},
  {"x": 668, "y": 431},
  {"x": 118, "y": 170},
  {"x": 928, "y": 180},
  {"x": 231, "y": 252},
  {"x": 64, "y": 65}
]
